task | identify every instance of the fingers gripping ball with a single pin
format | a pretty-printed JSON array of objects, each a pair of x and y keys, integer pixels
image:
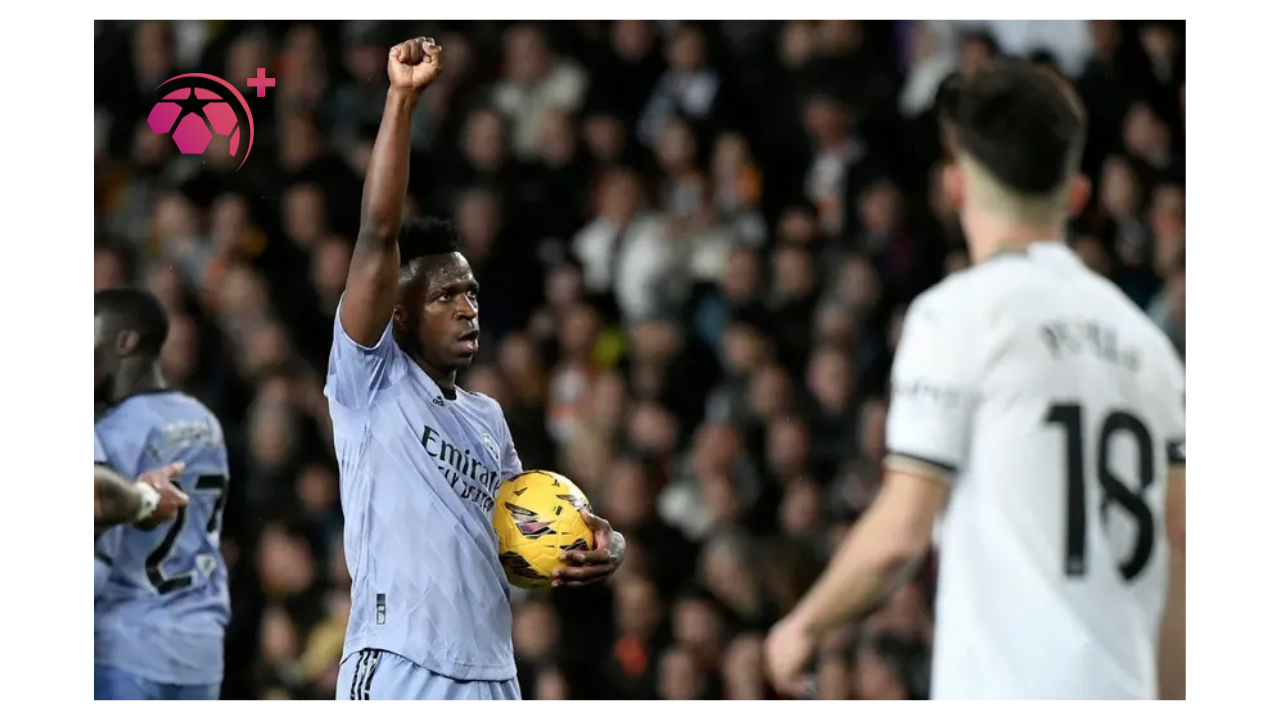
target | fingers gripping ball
[{"x": 536, "y": 519}]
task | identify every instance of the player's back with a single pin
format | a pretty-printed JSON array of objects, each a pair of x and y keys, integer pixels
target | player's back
[
  {"x": 163, "y": 611},
  {"x": 1053, "y": 558}
]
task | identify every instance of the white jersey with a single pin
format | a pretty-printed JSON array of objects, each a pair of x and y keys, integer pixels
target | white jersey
[{"x": 1055, "y": 408}]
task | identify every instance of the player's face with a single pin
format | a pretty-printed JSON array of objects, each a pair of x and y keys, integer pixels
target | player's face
[
  {"x": 448, "y": 327},
  {"x": 104, "y": 361}
]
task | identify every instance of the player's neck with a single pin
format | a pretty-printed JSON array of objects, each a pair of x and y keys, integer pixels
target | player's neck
[
  {"x": 445, "y": 379},
  {"x": 137, "y": 380},
  {"x": 989, "y": 235}
]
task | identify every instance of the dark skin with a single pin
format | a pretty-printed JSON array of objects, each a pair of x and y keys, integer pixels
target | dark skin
[
  {"x": 121, "y": 369},
  {"x": 433, "y": 303}
]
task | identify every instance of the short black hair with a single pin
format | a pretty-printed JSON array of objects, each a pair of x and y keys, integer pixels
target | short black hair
[
  {"x": 1020, "y": 123},
  {"x": 421, "y": 237},
  {"x": 135, "y": 310}
]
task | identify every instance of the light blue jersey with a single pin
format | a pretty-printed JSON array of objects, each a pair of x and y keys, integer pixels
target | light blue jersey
[
  {"x": 418, "y": 476},
  {"x": 162, "y": 613}
]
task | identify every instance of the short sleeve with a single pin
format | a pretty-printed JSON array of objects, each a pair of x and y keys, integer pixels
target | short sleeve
[
  {"x": 933, "y": 391},
  {"x": 511, "y": 465},
  {"x": 357, "y": 373}
]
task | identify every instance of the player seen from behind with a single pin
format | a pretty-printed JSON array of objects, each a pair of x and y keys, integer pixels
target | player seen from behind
[
  {"x": 1038, "y": 416},
  {"x": 420, "y": 459},
  {"x": 160, "y": 616}
]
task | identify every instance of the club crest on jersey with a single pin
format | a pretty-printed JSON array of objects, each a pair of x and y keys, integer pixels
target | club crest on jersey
[
  {"x": 490, "y": 445},
  {"x": 528, "y": 522}
]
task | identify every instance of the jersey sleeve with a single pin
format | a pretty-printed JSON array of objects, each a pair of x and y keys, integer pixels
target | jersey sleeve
[
  {"x": 1173, "y": 412},
  {"x": 99, "y": 450},
  {"x": 357, "y": 373},
  {"x": 933, "y": 391}
]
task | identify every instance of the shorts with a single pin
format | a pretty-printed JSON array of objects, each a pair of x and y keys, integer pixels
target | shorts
[
  {"x": 382, "y": 675},
  {"x": 115, "y": 684}
]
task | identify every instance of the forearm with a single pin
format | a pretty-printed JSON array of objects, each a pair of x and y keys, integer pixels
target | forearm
[
  {"x": 387, "y": 177},
  {"x": 870, "y": 566},
  {"x": 1172, "y": 658},
  {"x": 115, "y": 500}
]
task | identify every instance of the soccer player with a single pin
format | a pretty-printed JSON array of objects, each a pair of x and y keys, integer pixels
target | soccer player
[
  {"x": 160, "y": 618},
  {"x": 420, "y": 458},
  {"x": 1038, "y": 415}
]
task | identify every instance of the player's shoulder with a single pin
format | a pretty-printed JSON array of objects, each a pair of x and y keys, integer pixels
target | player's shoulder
[{"x": 480, "y": 401}]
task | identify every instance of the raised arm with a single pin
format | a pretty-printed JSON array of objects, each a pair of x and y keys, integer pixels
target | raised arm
[
  {"x": 1172, "y": 657},
  {"x": 372, "y": 280}
]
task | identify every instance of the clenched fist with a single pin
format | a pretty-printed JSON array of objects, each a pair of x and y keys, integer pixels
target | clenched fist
[
  {"x": 171, "y": 500},
  {"x": 414, "y": 64}
]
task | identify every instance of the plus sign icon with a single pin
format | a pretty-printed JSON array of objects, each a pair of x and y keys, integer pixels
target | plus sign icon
[{"x": 193, "y": 107}]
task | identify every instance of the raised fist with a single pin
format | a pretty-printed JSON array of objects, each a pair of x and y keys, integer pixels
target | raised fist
[
  {"x": 172, "y": 499},
  {"x": 414, "y": 64}
]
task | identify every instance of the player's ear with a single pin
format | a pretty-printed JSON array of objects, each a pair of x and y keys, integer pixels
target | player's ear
[
  {"x": 399, "y": 320},
  {"x": 1078, "y": 195},
  {"x": 127, "y": 342},
  {"x": 953, "y": 185}
]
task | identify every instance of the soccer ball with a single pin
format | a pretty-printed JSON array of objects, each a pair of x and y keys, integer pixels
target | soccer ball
[
  {"x": 536, "y": 519},
  {"x": 192, "y": 134}
]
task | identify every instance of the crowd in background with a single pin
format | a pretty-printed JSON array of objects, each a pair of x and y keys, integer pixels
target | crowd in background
[{"x": 695, "y": 244}]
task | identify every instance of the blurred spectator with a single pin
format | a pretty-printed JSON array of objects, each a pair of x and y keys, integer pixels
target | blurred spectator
[{"x": 696, "y": 243}]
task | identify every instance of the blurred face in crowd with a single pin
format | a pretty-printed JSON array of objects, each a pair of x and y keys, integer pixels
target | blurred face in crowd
[
  {"x": 273, "y": 434},
  {"x": 279, "y": 636},
  {"x": 558, "y": 139},
  {"x": 678, "y": 675},
  {"x": 835, "y": 325},
  {"x": 527, "y": 58},
  {"x": 1159, "y": 41},
  {"x": 880, "y": 208},
  {"x": 535, "y": 630},
  {"x": 687, "y": 51},
  {"x": 744, "y": 348},
  {"x": 637, "y": 611},
  {"x": 975, "y": 54},
  {"x": 801, "y": 511},
  {"x": 229, "y": 221},
  {"x": 792, "y": 273},
  {"x": 696, "y": 625},
  {"x": 727, "y": 573},
  {"x": 632, "y": 39},
  {"x": 563, "y": 286},
  {"x": 874, "y": 415},
  {"x": 300, "y": 141},
  {"x": 798, "y": 226},
  {"x": 180, "y": 353},
  {"x": 655, "y": 341},
  {"x": 166, "y": 284},
  {"x": 719, "y": 499},
  {"x": 1105, "y": 35},
  {"x": 652, "y": 428},
  {"x": 176, "y": 217},
  {"x": 1168, "y": 217},
  {"x": 304, "y": 214},
  {"x": 484, "y": 139},
  {"x": 1145, "y": 135},
  {"x": 551, "y": 685},
  {"x": 330, "y": 261},
  {"x": 839, "y": 37},
  {"x": 317, "y": 488},
  {"x": 715, "y": 448},
  {"x": 741, "y": 280},
  {"x": 589, "y": 456},
  {"x": 827, "y": 121},
  {"x": 770, "y": 392},
  {"x": 744, "y": 668},
  {"x": 108, "y": 270},
  {"x": 1119, "y": 193},
  {"x": 676, "y": 148},
  {"x": 268, "y": 349},
  {"x": 609, "y": 401},
  {"x": 605, "y": 136},
  {"x": 628, "y": 499},
  {"x": 153, "y": 51},
  {"x": 830, "y": 379},
  {"x": 479, "y": 219},
  {"x": 578, "y": 332},
  {"x": 520, "y": 364},
  {"x": 787, "y": 446},
  {"x": 285, "y": 564},
  {"x": 799, "y": 41},
  {"x": 621, "y": 198}
]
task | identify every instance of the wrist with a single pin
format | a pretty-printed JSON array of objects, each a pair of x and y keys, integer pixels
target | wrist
[
  {"x": 403, "y": 96},
  {"x": 148, "y": 500}
]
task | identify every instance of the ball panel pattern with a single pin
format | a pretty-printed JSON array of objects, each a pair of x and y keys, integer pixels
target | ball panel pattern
[{"x": 536, "y": 518}]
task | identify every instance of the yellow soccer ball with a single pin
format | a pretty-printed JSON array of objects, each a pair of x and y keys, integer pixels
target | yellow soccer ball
[{"x": 536, "y": 518}]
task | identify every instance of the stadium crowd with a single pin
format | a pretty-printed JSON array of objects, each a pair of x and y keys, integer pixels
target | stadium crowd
[{"x": 695, "y": 244}]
